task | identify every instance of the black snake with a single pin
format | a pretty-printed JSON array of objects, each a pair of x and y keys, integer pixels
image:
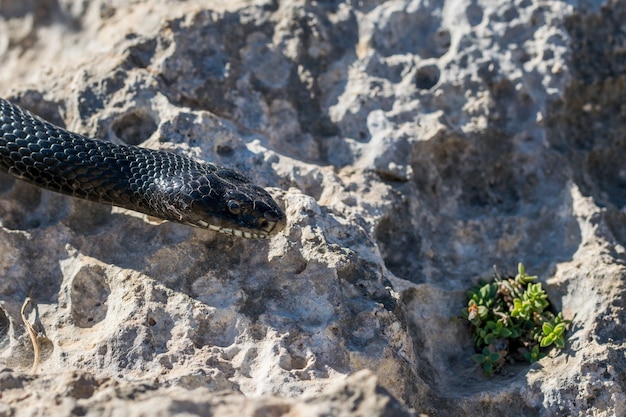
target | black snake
[{"x": 157, "y": 183}]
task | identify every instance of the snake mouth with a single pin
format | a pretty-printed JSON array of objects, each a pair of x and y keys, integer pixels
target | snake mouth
[
  {"x": 240, "y": 233},
  {"x": 269, "y": 228}
]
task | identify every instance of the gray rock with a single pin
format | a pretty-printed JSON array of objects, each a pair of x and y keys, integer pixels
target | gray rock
[{"x": 413, "y": 144}]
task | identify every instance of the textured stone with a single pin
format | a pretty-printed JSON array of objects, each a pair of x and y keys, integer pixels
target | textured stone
[{"x": 413, "y": 144}]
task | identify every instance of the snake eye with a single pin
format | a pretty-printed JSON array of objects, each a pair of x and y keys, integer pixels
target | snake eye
[{"x": 234, "y": 207}]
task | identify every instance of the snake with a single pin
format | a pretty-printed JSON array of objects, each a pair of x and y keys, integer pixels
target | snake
[{"x": 158, "y": 183}]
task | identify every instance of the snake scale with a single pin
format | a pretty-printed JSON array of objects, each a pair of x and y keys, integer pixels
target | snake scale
[{"x": 158, "y": 183}]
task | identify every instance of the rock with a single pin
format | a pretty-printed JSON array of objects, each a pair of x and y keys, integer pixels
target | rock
[
  {"x": 413, "y": 144},
  {"x": 81, "y": 393}
]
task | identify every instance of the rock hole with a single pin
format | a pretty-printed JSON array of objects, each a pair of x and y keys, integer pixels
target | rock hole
[
  {"x": 298, "y": 362},
  {"x": 442, "y": 39},
  {"x": 427, "y": 77},
  {"x": 216, "y": 330},
  {"x": 134, "y": 128},
  {"x": 224, "y": 150},
  {"x": 400, "y": 247},
  {"x": 5, "y": 324},
  {"x": 28, "y": 207},
  {"x": 89, "y": 295},
  {"x": 474, "y": 14}
]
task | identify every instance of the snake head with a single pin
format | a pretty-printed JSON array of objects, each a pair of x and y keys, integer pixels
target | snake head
[{"x": 227, "y": 202}]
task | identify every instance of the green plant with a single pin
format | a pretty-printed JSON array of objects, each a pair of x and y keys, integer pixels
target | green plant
[
  {"x": 554, "y": 332},
  {"x": 488, "y": 359},
  {"x": 534, "y": 354},
  {"x": 510, "y": 318}
]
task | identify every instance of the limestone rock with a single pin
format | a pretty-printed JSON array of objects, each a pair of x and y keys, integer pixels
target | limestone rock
[{"x": 413, "y": 144}]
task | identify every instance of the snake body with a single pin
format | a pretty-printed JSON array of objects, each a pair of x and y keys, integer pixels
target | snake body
[{"x": 157, "y": 183}]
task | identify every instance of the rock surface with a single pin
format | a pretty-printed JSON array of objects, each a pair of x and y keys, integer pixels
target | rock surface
[{"x": 414, "y": 145}]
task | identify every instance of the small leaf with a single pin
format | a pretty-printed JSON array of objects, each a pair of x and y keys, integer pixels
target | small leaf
[
  {"x": 534, "y": 355},
  {"x": 547, "y": 328},
  {"x": 484, "y": 292},
  {"x": 559, "y": 329},
  {"x": 547, "y": 341},
  {"x": 478, "y": 358},
  {"x": 488, "y": 368},
  {"x": 560, "y": 342}
]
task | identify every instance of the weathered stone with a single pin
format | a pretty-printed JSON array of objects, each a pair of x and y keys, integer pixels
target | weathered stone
[{"x": 413, "y": 144}]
